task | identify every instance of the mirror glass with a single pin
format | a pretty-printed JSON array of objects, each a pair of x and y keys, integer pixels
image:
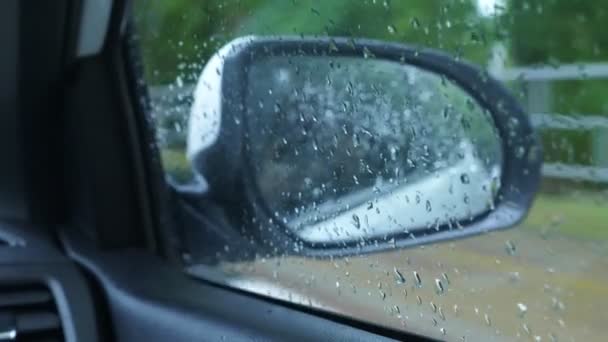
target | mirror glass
[{"x": 344, "y": 149}]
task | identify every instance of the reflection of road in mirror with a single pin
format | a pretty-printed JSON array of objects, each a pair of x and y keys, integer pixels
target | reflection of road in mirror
[
  {"x": 449, "y": 195},
  {"x": 346, "y": 148}
]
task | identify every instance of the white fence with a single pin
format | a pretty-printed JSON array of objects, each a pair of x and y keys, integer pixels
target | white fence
[{"x": 537, "y": 82}]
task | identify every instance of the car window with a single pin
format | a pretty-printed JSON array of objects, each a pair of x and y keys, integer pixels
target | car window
[{"x": 543, "y": 280}]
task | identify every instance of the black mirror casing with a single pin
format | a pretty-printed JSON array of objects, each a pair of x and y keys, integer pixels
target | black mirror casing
[{"x": 228, "y": 167}]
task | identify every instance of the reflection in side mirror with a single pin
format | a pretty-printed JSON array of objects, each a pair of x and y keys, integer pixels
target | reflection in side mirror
[
  {"x": 334, "y": 144},
  {"x": 348, "y": 148}
]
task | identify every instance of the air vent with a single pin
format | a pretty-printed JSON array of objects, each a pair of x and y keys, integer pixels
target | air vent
[
  {"x": 8, "y": 239},
  {"x": 28, "y": 313}
]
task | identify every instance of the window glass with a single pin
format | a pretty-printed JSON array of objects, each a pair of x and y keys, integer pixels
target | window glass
[{"x": 543, "y": 280}]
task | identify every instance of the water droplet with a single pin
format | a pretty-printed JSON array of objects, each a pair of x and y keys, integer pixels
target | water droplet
[
  {"x": 558, "y": 304},
  {"x": 356, "y": 221},
  {"x": 446, "y": 112},
  {"x": 475, "y": 37},
  {"x": 178, "y": 127},
  {"x": 277, "y": 108},
  {"x": 487, "y": 319},
  {"x": 510, "y": 247},
  {"x": 351, "y": 43},
  {"x": 445, "y": 277},
  {"x": 179, "y": 82},
  {"x": 552, "y": 337},
  {"x": 553, "y": 62},
  {"x": 526, "y": 329},
  {"x": 433, "y": 306},
  {"x": 428, "y": 206},
  {"x": 417, "y": 279},
  {"x": 439, "y": 287},
  {"x": 464, "y": 178},
  {"x": 332, "y": 46},
  {"x": 514, "y": 277},
  {"x": 382, "y": 294},
  {"x": 522, "y": 309},
  {"x": 391, "y": 29},
  {"x": 415, "y": 23},
  {"x": 520, "y": 152},
  {"x": 419, "y": 300},
  {"x": 398, "y": 276},
  {"x": 470, "y": 104},
  {"x": 442, "y": 330},
  {"x": 349, "y": 88},
  {"x": 356, "y": 140}
]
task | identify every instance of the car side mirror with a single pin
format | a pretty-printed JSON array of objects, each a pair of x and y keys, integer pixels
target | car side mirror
[{"x": 335, "y": 146}]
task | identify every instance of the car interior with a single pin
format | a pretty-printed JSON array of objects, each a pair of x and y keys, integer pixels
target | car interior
[
  {"x": 98, "y": 242},
  {"x": 81, "y": 200}
]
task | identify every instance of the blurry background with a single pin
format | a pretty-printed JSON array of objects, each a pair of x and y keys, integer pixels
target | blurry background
[{"x": 544, "y": 280}]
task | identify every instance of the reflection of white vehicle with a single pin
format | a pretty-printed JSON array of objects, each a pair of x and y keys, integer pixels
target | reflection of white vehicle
[{"x": 449, "y": 195}]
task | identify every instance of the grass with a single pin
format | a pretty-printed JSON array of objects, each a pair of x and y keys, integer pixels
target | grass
[
  {"x": 578, "y": 216},
  {"x": 176, "y": 164}
]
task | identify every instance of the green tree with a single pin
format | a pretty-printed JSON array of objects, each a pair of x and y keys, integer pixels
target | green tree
[{"x": 179, "y": 36}]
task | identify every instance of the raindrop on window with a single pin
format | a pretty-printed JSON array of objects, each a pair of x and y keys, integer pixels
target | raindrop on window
[
  {"x": 415, "y": 23},
  {"x": 439, "y": 287},
  {"x": 399, "y": 276},
  {"x": 510, "y": 247},
  {"x": 356, "y": 221},
  {"x": 417, "y": 279},
  {"x": 488, "y": 320},
  {"x": 522, "y": 309}
]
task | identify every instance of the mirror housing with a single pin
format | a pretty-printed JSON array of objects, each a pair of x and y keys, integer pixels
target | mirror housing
[{"x": 219, "y": 143}]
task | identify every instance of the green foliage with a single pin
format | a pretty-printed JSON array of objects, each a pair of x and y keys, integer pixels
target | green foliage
[
  {"x": 179, "y": 36},
  {"x": 581, "y": 216},
  {"x": 557, "y": 31}
]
